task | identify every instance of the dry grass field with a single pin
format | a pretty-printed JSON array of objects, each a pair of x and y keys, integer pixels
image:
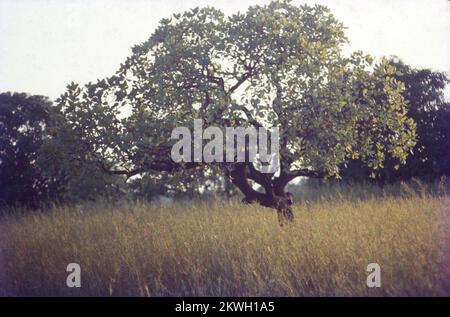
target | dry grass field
[{"x": 226, "y": 249}]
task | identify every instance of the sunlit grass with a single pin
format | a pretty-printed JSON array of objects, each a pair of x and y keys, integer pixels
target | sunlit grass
[{"x": 225, "y": 249}]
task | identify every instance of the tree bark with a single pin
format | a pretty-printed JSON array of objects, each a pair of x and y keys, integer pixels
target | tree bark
[{"x": 274, "y": 196}]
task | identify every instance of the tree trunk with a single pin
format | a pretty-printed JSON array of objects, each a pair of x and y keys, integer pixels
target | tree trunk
[
  {"x": 283, "y": 205},
  {"x": 274, "y": 196}
]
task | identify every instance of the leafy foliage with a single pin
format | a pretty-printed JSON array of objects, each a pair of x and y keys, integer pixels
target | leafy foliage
[
  {"x": 426, "y": 106},
  {"x": 63, "y": 158},
  {"x": 23, "y": 119},
  {"x": 277, "y": 65}
]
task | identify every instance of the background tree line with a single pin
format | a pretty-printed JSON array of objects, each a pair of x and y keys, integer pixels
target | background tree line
[{"x": 39, "y": 163}]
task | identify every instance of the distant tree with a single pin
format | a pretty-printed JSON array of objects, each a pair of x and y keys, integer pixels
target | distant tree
[
  {"x": 35, "y": 167},
  {"x": 23, "y": 119},
  {"x": 424, "y": 95},
  {"x": 65, "y": 161},
  {"x": 277, "y": 65}
]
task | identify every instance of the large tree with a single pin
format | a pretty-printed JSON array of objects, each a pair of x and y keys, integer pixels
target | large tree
[{"x": 277, "y": 65}]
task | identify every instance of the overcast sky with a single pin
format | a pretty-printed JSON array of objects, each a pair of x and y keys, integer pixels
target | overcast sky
[{"x": 46, "y": 44}]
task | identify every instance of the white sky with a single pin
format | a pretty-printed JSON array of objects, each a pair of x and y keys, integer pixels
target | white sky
[{"x": 46, "y": 44}]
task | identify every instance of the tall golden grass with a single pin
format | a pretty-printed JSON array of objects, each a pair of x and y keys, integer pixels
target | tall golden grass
[{"x": 225, "y": 249}]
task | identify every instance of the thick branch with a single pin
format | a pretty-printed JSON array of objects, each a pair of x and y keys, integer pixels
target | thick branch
[
  {"x": 240, "y": 81},
  {"x": 161, "y": 162},
  {"x": 249, "y": 115},
  {"x": 239, "y": 177},
  {"x": 263, "y": 179},
  {"x": 287, "y": 176}
]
